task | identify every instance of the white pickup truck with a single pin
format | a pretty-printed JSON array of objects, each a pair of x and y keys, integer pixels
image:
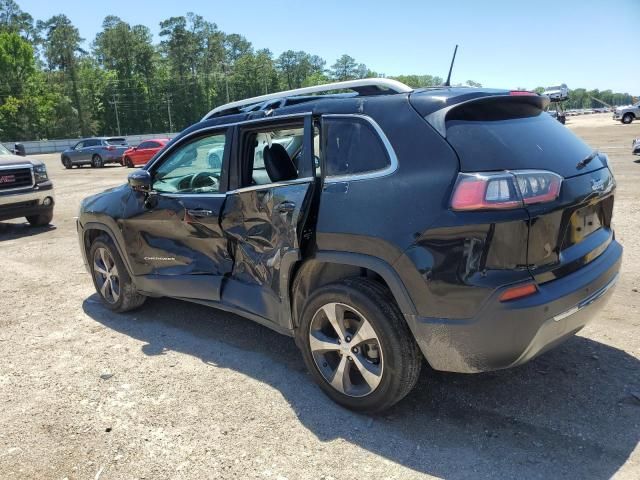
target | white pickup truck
[
  {"x": 25, "y": 189},
  {"x": 628, "y": 113}
]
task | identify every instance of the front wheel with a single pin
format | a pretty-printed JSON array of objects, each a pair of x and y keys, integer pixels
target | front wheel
[
  {"x": 357, "y": 345},
  {"x": 67, "y": 163},
  {"x": 627, "y": 118},
  {"x": 110, "y": 277},
  {"x": 127, "y": 162}
]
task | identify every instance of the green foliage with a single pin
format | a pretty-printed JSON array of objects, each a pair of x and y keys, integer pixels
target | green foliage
[
  {"x": 419, "y": 81},
  {"x": 52, "y": 88}
]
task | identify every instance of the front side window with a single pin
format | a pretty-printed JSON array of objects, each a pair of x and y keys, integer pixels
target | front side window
[
  {"x": 145, "y": 145},
  {"x": 193, "y": 167},
  {"x": 78, "y": 146},
  {"x": 352, "y": 146}
]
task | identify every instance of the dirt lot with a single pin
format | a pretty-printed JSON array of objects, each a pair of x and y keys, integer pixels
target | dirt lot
[{"x": 176, "y": 390}]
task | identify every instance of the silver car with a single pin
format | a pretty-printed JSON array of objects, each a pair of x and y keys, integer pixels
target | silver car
[{"x": 97, "y": 152}]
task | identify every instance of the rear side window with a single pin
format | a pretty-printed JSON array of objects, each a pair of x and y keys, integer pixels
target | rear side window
[
  {"x": 352, "y": 146},
  {"x": 116, "y": 141}
]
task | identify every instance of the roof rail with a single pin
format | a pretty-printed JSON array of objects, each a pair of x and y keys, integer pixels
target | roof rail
[{"x": 364, "y": 86}]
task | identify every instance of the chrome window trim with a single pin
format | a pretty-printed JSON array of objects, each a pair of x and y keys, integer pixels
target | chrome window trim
[
  {"x": 393, "y": 158},
  {"x": 196, "y": 195},
  {"x": 271, "y": 185},
  {"x": 20, "y": 165},
  {"x": 237, "y": 190}
]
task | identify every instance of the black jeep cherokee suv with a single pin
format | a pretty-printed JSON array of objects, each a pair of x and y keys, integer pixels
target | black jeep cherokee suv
[{"x": 375, "y": 226}]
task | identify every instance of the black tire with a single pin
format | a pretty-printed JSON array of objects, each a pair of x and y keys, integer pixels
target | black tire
[
  {"x": 97, "y": 162},
  {"x": 40, "y": 220},
  {"x": 400, "y": 357},
  {"x": 128, "y": 297},
  {"x": 127, "y": 162},
  {"x": 66, "y": 162},
  {"x": 627, "y": 118}
]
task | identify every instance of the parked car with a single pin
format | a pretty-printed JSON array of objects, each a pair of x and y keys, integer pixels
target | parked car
[
  {"x": 140, "y": 155},
  {"x": 558, "y": 93},
  {"x": 627, "y": 114},
  {"x": 465, "y": 227},
  {"x": 96, "y": 152},
  {"x": 25, "y": 189}
]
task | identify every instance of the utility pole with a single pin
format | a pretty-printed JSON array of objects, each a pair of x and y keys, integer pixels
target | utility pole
[
  {"x": 115, "y": 104},
  {"x": 226, "y": 80},
  {"x": 169, "y": 112}
]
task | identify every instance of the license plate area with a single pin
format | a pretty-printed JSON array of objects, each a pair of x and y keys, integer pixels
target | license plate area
[{"x": 584, "y": 221}]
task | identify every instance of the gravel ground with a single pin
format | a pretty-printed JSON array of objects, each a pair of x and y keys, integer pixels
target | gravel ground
[{"x": 176, "y": 390}]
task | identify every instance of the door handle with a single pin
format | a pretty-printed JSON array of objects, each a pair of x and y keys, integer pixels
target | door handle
[
  {"x": 286, "y": 207},
  {"x": 200, "y": 212}
]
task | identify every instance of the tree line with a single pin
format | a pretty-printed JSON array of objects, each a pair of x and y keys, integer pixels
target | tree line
[{"x": 124, "y": 83}]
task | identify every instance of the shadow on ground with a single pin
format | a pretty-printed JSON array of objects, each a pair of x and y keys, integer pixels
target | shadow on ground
[
  {"x": 570, "y": 413},
  {"x": 12, "y": 231}
]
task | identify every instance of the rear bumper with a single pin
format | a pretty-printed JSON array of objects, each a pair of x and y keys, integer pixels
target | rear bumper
[
  {"x": 508, "y": 334},
  {"x": 26, "y": 203}
]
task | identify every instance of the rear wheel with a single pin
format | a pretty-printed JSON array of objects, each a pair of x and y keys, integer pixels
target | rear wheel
[
  {"x": 67, "y": 163},
  {"x": 40, "y": 220},
  {"x": 97, "y": 162},
  {"x": 627, "y": 118},
  {"x": 357, "y": 345},
  {"x": 110, "y": 277}
]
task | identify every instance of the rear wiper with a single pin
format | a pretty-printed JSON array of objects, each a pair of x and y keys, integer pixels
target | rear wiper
[{"x": 583, "y": 163}]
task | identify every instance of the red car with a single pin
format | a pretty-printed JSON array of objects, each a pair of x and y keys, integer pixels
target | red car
[{"x": 140, "y": 155}]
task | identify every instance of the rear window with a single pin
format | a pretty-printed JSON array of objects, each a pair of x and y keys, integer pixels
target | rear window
[
  {"x": 352, "y": 147},
  {"x": 116, "y": 141},
  {"x": 503, "y": 137}
]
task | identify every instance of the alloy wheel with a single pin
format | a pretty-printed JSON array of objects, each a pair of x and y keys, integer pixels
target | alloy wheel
[
  {"x": 106, "y": 275},
  {"x": 346, "y": 349}
]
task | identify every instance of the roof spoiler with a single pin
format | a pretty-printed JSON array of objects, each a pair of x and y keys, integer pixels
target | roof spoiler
[{"x": 438, "y": 118}]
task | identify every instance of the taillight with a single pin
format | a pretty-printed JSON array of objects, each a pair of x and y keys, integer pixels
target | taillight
[
  {"x": 522, "y": 93},
  {"x": 504, "y": 190}
]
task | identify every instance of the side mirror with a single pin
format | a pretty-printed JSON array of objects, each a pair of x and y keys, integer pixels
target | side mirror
[
  {"x": 140, "y": 181},
  {"x": 18, "y": 149}
]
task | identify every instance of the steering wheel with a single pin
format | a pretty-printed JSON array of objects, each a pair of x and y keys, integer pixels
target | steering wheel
[{"x": 211, "y": 179}]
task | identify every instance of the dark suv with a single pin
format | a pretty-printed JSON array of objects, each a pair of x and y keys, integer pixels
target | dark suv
[{"x": 376, "y": 227}]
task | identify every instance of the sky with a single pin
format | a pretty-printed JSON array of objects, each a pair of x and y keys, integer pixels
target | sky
[{"x": 502, "y": 44}]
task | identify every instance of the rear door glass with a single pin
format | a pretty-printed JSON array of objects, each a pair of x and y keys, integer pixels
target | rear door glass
[{"x": 351, "y": 147}]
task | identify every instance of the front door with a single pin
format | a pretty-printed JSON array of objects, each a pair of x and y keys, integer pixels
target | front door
[
  {"x": 264, "y": 217},
  {"x": 174, "y": 240}
]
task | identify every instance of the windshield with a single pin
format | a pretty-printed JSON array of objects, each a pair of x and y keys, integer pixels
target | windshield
[{"x": 3, "y": 150}]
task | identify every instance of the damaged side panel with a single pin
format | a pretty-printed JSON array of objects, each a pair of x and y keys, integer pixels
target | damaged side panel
[{"x": 263, "y": 227}]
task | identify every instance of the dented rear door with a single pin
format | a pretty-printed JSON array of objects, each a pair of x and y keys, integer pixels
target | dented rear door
[{"x": 265, "y": 225}]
